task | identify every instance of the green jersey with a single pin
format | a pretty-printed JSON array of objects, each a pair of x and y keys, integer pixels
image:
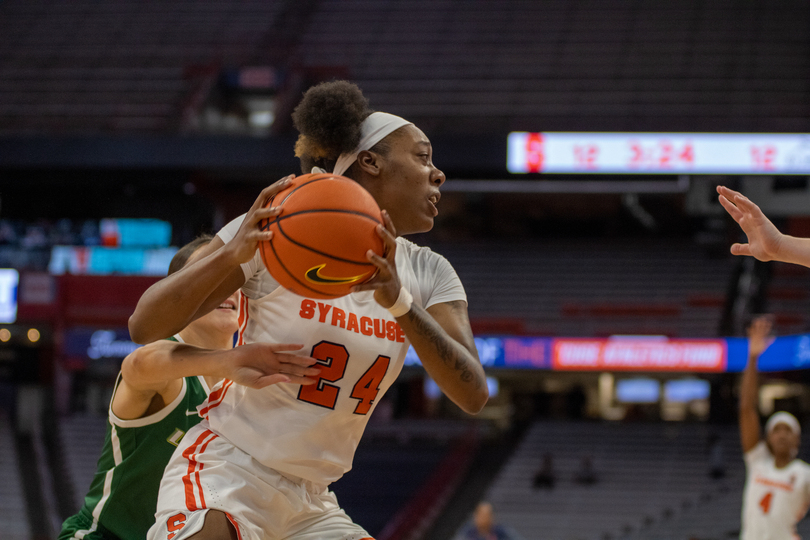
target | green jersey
[{"x": 123, "y": 496}]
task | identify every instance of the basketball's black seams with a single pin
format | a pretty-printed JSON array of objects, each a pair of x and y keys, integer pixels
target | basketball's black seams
[{"x": 335, "y": 257}]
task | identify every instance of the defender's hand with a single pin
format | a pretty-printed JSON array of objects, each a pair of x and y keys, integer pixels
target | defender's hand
[{"x": 257, "y": 365}]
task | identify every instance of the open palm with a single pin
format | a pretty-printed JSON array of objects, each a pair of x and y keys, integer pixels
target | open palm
[{"x": 764, "y": 239}]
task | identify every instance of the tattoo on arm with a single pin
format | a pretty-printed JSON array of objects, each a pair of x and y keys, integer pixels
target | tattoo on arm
[{"x": 449, "y": 355}]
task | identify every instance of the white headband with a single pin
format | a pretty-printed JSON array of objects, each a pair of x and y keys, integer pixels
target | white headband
[
  {"x": 783, "y": 418},
  {"x": 375, "y": 128}
]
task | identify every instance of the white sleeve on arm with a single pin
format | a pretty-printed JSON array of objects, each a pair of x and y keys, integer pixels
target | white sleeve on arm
[
  {"x": 227, "y": 233},
  {"x": 438, "y": 281}
]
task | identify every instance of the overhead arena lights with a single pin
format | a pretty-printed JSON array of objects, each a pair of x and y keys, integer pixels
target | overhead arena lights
[{"x": 658, "y": 153}]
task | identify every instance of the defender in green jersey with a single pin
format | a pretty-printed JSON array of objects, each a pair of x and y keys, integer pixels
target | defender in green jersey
[{"x": 155, "y": 403}]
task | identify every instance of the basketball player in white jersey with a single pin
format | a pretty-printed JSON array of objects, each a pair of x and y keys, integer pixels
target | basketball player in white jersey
[
  {"x": 155, "y": 403},
  {"x": 777, "y": 485},
  {"x": 259, "y": 465}
]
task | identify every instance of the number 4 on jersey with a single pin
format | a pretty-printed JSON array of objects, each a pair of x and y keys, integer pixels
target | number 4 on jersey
[
  {"x": 765, "y": 503},
  {"x": 368, "y": 386},
  {"x": 332, "y": 358}
]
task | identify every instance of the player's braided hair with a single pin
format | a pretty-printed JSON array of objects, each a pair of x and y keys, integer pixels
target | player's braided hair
[
  {"x": 329, "y": 118},
  {"x": 184, "y": 253}
]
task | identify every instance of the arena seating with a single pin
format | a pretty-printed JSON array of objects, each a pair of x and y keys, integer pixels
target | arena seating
[
  {"x": 480, "y": 66},
  {"x": 584, "y": 288},
  {"x": 383, "y": 478},
  {"x": 82, "y": 438},
  {"x": 450, "y": 65},
  {"x": 392, "y": 463},
  {"x": 650, "y": 477},
  {"x": 13, "y": 515},
  {"x": 97, "y": 66},
  {"x": 715, "y": 516},
  {"x": 787, "y": 298}
]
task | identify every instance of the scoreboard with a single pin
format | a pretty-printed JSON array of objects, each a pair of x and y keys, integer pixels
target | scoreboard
[{"x": 658, "y": 153}]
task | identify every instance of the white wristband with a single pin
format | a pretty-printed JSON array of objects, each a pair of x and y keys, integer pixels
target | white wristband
[{"x": 403, "y": 303}]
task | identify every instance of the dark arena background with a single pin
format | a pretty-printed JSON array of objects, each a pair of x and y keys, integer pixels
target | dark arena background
[{"x": 582, "y": 143}]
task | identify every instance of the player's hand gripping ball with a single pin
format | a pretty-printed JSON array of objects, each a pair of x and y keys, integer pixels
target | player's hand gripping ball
[{"x": 320, "y": 239}]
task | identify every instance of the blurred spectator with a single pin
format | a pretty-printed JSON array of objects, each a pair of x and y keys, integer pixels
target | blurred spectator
[
  {"x": 586, "y": 475},
  {"x": 62, "y": 234},
  {"x": 717, "y": 464},
  {"x": 35, "y": 238},
  {"x": 484, "y": 526},
  {"x": 7, "y": 234},
  {"x": 90, "y": 234},
  {"x": 544, "y": 477}
]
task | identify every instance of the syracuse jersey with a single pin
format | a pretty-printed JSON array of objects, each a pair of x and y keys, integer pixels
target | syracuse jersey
[
  {"x": 774, "y": 500},
  {"x": 311, "y": 432}
]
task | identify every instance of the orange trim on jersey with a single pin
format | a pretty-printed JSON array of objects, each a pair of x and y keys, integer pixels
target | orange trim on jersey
[
  {"x": 235, "y": 525},
  {"x": 197, "y": 473},
  {"x": 190, "y": 454},
  {"x": 191, "y": 503},
  {"x": 244, "y": 315},
  {"x": 773, "y": 483},
  {"x": 216, "y": 397}
]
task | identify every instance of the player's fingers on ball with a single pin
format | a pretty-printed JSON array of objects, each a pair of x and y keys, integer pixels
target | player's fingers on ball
[
  {"x": 265, "y": 213},
  {"x": 389, "y": 240},
  {"x": 259, "y": 236},
  {"x": 368, "y": 286},
  {"x": 389, "y": 224},
  {"x": 275, "y": 187},
  {"x": 271, "y": 190},
  {"x": 379, "y": 262}
]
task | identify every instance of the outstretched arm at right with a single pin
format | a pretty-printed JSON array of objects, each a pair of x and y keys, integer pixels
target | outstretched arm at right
[
  {"x": 172, "y": 303},
  {"x": 765, "y": 242},
  {"x": 758, "y": 341}
]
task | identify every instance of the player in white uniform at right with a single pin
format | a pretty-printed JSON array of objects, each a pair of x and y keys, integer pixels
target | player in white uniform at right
[
  {"x": 261, "y": 461},
  {"x": 777, "y": 485}
]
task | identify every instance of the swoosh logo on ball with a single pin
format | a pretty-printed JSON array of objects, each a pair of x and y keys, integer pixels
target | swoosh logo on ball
[{"x": 314, "y": 275}]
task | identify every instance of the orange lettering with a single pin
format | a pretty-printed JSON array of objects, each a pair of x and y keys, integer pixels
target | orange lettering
[
  {"x": 365, "y": 326},
  {"x": 338, "y": 317},
  {"x": 391, "y": 328},
  {"x": 379, "y": 328},
  {"x": 174, "y": 524},
  {"x": 324, "y": 309},
  {"x": 352, "y": 324},
  {"x": 307, "y": 309}
]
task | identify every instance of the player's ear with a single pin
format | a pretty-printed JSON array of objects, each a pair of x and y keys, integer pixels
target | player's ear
[{"x": 369, "y": 162}]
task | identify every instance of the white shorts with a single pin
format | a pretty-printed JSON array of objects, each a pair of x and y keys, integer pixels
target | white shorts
[{"x": 208, "y": 472}]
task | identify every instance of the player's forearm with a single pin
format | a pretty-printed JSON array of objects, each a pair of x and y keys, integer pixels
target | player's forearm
[
  {"x": 749, "y": 389},
  {"x": 794, "y": 250},
  {"x": 454, "y": 368},
  {"x": 150, "y": 367},
  {"x": 172, "y": 303}
]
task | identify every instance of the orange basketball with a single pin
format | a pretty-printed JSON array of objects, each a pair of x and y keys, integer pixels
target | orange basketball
[{"x": 320, "y": 239}]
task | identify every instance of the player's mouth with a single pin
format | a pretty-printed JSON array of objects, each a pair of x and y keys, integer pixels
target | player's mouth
[
  {"x": 228, "y": 305},
  {"x": 434, "y": 200}
]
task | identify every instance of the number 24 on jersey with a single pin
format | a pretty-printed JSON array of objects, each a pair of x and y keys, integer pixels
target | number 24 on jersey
[{"x": 332, "y": 359}]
